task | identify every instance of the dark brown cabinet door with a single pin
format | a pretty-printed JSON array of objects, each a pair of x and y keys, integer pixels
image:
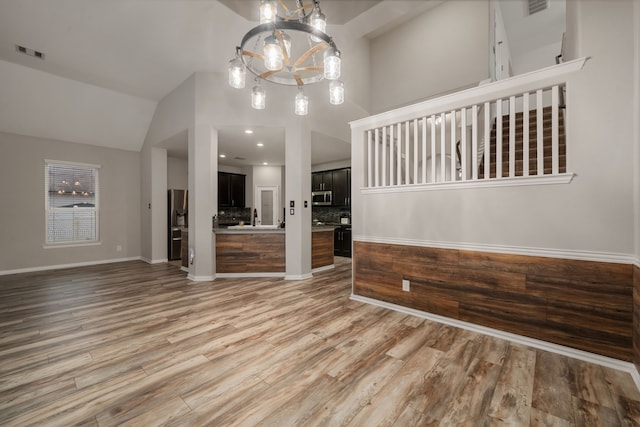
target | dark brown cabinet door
[
  {"x": 231, "y": 190},
  {"x": 341, "y": 187},
  {"x": 342, "y": 242},
  {"x": 321, "y": 181},
  {"x": 224, "y": 189},
  {"x": 237, "y": 190}
]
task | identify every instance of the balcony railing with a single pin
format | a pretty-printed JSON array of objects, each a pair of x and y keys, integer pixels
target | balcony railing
[{"x": 510, "y": 132}]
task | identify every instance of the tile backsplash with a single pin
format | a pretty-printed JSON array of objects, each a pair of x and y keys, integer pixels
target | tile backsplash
[
  {"x": 231, "y": 216},
  {"x": 328, "y": 214}
]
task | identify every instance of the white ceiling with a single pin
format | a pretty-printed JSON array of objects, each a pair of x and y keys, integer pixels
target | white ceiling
[{"x": 109, "y": 62}]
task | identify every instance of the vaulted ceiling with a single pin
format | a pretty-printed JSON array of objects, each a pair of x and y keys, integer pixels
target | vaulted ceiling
[{"x": 108, "y": 63}]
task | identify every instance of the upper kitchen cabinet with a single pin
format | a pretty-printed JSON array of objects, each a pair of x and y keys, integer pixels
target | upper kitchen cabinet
[
  {"x": 231, "y": 190},
  {"x": 322, "y": 181},
  {"x": 342, "y": 187}
]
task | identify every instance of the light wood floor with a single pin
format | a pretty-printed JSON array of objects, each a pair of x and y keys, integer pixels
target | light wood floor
[{"x": 137, "y": 344}]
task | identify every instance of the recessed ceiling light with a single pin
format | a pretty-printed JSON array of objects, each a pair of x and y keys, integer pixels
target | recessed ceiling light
[
  {"x": 265, "y": 163},
  {"x": 260, "y": 144},
  {"x": 248, "y": 131},
  {"x": 223, "y": 155}
]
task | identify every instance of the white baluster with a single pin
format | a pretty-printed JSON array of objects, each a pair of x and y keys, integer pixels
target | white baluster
[
  {"x": 369, "y": 159},
  {"x": 512, "y": 136},
  {"x": 499, "y": 138},
  {"x": 384, "y": 156},
  {"x": 415, "y": 151},
  {"x": 463, "y": 143},
  {"x": 539, "y": 130},
  {"x": 433, "y": 148},
  {"x": 555, "y": 148},
  {"x": 443, "y": 147},
  {"x": 399, "y": 156},
  {"x": 377, "y": 158},
  {"x": 487, "y": 140},
  {"x": 407, "y": 153},
  {"x": 424, "y": 150},
  {"x": 453, "y": 147},
  {"x": 525, "y": 134},
  {"x": 474, "y": 141},
  {"x": 391, "y": 163}
]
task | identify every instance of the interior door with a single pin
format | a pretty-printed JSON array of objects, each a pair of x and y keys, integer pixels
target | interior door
[{"x": 266, "y": 202}]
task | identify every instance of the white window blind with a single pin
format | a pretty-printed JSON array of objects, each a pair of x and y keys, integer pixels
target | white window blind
[{"x": 71, "y": 202}]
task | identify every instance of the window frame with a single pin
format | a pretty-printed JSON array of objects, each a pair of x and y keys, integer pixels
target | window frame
[{"x": 48, "y": 208}]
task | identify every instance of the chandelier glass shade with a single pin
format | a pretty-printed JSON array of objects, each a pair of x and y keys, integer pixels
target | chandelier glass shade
[{"x": 291, "y": 49}]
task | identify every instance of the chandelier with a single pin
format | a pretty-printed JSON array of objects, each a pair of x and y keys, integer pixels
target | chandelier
[{"x": 289, "y": 49}]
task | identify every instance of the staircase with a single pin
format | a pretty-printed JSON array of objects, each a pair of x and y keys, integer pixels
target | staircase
[{"x": 533, "y": 150}]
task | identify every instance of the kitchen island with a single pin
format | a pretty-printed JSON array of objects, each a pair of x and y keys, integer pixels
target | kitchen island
[{"x": 260, "y": 251}]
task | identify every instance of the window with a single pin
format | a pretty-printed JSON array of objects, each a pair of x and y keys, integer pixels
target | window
[{"x": 71, "y": 202}]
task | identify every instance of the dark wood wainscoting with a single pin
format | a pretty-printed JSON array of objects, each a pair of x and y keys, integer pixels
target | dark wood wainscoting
[
  {"x": 321, "y": 248},
  {"x": 581, "y": 304},
  {"x": 636, "y": 316},
  {"x": 250, "y": 253}
]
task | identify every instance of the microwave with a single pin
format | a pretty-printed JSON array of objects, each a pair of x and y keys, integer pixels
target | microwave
[{"x": 321, "y": 198}]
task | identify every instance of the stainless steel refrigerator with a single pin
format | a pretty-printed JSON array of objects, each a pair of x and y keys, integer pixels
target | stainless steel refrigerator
[{"x": 178, "y": 206}]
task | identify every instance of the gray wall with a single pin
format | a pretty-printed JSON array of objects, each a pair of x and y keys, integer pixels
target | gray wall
[
  {"x": 177, "y": 173},
  {"x": 443, "y": 49},
  {"x": 22, "y": 212},
  {"x": 593, "y": 214}
]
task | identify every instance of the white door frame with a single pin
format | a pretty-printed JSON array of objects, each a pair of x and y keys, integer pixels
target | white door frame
[{"x": 257, "y": 198}]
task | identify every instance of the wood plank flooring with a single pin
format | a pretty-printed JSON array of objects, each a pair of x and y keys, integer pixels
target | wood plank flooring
[{"x": 137, "y": 344}]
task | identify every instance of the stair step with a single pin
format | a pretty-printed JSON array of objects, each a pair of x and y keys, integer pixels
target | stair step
[{"x": 547, "y": 121}]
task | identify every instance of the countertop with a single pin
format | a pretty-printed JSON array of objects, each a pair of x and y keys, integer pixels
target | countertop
[{"x": 247, "y": 229}]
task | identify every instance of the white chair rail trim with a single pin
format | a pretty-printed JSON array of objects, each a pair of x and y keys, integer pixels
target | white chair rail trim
[{"x": 612, "y": 257}]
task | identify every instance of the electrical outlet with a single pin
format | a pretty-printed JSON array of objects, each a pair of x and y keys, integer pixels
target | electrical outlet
[{"x": 405, "y": 285}]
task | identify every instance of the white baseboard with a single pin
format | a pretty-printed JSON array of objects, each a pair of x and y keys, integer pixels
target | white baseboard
[
  {"x": 323, "y": 268},
  {"x": 298, "y": 276},
  {"x": 61, "y": 266},
  {"x": 201, "y": 278},
  {"x": 597, "y": 359},
  {"x": 154, "y": 261},
  {"x": 247, "y": 275}
]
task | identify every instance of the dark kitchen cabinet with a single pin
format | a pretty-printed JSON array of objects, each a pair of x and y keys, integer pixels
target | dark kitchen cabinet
[
  {"x": 322, "y": 181},
  {"x": 342, "y": 241},
  {"x": 231, "y": 190},
  {"x": 342, "y": 187}
]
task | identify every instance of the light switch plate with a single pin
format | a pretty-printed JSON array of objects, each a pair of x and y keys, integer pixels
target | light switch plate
[{"x": 405, "y": 285}]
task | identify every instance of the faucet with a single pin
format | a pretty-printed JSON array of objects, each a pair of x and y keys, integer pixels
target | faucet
[{"x": 255, "y": 217}]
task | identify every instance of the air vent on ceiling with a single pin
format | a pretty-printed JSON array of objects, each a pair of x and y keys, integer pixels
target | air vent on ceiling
[
  {"x": 30, "y": 52},
  {"x": 239, "y": 158},
  {"x": 535, "y": 6}
]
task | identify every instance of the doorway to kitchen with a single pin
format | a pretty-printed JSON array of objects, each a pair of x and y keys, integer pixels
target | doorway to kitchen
[{"x": 266, "y": 202}]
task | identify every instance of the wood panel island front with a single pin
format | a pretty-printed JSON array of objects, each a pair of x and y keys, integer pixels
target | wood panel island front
[{"x": 259, "y": 251}]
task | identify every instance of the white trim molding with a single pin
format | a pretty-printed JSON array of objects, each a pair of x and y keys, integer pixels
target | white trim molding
[
  {"x": 75, "y": 264},
  {"x": 612, "y": 257},
  {"x": 323, "y": 268},
  {"x": 597, "y": 359},
  {"x": 247, "y": 275},
  {"x": 298, "y": 276},
  {"x": 201, "y": 278},
  {"x": 154, "y": 261},
  {"x": 564, "y": 178}
]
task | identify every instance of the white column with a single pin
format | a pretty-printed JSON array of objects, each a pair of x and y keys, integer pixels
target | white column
[
  {"x": 203, "y": 195},
  {"x": 298, "y": 191},
  {"x": 158, "y": 206}
]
